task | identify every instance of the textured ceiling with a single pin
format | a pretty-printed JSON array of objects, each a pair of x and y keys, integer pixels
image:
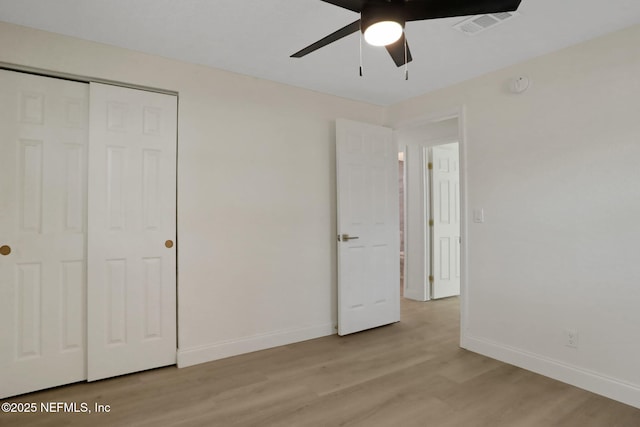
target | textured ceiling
[{"x": 256, "y": 37}]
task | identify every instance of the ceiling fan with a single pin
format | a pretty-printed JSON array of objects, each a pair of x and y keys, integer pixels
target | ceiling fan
[{"x": 382, "y": 21}]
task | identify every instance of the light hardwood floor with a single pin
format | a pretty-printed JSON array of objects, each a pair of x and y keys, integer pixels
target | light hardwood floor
[{"x": 408, "y": 374}]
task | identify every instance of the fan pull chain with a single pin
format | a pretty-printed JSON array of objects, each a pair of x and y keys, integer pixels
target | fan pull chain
[
  {"x": 406, "y": 63},
  {"x": 360, "y": 53}
]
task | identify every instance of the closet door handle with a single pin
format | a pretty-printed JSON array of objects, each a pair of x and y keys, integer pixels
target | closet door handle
[
  {"x": 5, "y": 250},
  {"x": 169, "y": 244}
]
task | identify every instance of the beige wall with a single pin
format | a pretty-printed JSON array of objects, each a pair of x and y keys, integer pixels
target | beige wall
[
  {"x": 256, "y": 184},
  {"x": 556, "y": 171}
]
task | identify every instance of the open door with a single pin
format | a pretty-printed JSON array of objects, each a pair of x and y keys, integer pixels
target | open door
[
  {"x": 368, "y": 221},
  {"x": 446, "y": 220}
]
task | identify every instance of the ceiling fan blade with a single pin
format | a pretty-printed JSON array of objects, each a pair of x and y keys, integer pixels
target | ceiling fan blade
[
  {"x": 354, "y": 5},
  {"x": 417, "y": 10},
  {"x": 342, "y": 32},
  {"x": 396, "y": 50}
]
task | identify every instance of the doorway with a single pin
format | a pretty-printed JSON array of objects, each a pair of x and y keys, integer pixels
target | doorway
[{"x": 431, "y": 256}]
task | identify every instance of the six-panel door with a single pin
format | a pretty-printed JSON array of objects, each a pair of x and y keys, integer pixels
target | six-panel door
[
  {"x": 368, "y": 259},
  {"x": 132, "y": 227},
  {"x": 43, "y": 146},
  {"x": 446, "y": 220}
]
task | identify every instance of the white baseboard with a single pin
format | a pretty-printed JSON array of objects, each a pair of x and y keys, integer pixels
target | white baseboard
[
  {"x": 220, "y": 350},
  {"x": 576, "y": 376}
]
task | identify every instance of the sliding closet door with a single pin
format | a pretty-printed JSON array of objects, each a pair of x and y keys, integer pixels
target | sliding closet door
[
  {"x": 132, "y": 229},
  {"x": 43, "y": 143}
]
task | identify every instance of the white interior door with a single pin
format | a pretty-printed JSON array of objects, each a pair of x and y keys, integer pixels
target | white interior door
[
  {"x": 132, "y": 227},
  {"x": 43, "y": 145},
  {"x": 368, "y": 221},
  {"x": 446, "y": 220}
]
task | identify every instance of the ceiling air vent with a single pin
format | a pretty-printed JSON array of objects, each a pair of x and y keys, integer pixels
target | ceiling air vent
[{"x": 479, "y": 23}]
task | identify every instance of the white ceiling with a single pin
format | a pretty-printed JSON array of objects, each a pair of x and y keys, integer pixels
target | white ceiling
[{"x": 256, "y": 37}]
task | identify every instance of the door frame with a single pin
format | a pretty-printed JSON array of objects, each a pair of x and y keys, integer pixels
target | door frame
[
  {"x": 457, "y": 112},
  {"x": 87, "y": 79}
]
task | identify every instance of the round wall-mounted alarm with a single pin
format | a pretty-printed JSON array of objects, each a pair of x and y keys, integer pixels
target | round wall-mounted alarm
[{"x": 519, "y": 84}]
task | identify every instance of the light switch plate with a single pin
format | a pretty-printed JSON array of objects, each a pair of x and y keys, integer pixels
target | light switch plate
[{"x": 478, "y": 215}]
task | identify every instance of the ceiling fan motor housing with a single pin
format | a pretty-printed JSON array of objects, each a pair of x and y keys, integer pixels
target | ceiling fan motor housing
[{"x": 379, "y": 11}]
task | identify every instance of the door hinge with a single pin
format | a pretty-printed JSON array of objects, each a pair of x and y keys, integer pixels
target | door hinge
[
  {"x": 430, "y": 279},
  {"x": 430, "y": 165},
  {"x": 430, "y": 223}
]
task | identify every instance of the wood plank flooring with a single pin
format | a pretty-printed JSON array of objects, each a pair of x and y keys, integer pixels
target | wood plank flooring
[{"x": 408, "y": 374}]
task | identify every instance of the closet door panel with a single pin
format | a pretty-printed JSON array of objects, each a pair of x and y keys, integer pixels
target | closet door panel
[
  {"x": 43, "y": 140},
  {"x": 132, "y": 227}
]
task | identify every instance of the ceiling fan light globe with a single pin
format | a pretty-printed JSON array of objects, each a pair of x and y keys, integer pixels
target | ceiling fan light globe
[{"x": 383, "y": 33}]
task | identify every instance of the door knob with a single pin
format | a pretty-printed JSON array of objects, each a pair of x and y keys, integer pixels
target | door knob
[
  {"x": 345, "y": 238},
  {"x": 169, "y": 244},
  {"x": 5, "y": 250}
]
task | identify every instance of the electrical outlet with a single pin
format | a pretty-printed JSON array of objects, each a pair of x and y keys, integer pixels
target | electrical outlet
[{"x": 571, "y": 338}]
